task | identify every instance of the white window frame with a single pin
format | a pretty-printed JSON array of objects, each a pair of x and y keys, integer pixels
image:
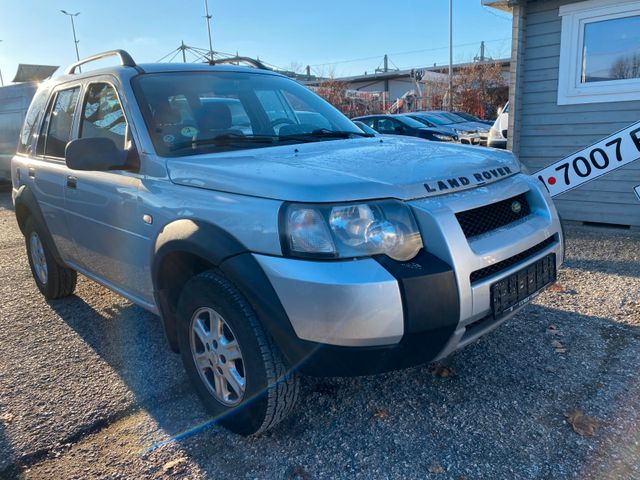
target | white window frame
[{"x": 574, "y": 18}]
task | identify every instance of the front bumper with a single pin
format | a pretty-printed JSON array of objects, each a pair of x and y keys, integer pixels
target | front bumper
[
  {"x": 497, "y": 143},
  {"x": 373, "y": 315}
]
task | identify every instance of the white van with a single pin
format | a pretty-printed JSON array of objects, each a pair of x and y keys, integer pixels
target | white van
[
  {"x": 14, "y": 102},
  {"x": 499, "y": 131}
]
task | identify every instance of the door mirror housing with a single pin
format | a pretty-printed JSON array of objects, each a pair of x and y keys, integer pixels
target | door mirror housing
[{"x": 100, "y": 154}]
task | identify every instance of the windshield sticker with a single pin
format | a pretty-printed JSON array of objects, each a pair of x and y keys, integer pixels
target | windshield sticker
[{"x": 189, "y": 132}]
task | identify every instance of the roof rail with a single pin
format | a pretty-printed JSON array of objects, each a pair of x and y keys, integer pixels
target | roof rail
[
  {"x": 246, "y": 60},
  {"x": 125, "y": 60}
]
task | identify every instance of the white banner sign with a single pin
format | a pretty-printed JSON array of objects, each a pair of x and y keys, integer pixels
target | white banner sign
[{"x": 602, "y": 157}]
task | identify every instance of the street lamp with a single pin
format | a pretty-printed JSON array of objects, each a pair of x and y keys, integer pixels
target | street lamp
[
  {"x": 73, "y": 27},
  {"x": 1, "y": 80}
]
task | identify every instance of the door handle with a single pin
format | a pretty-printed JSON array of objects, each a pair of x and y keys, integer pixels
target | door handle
[
  {"x": 72, "y": 182},
  {"x": 32, "y": 172}
]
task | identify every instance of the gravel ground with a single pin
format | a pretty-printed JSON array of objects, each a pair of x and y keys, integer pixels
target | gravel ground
[{"x": 89, "y": 389}]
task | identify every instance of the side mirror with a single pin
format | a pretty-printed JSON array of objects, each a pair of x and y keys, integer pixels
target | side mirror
[
  {"x": 399, "y": 129},
  {"x": 499, "y": 111},
  {"x": 99, "y": 154}
]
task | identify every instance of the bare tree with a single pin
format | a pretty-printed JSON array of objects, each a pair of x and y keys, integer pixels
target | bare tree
[
  {"x": 480, "y": 88},
  {"x": 626, "y": 67}
]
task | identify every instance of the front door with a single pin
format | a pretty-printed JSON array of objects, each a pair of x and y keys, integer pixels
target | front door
[{"x": 102, "y": 207}]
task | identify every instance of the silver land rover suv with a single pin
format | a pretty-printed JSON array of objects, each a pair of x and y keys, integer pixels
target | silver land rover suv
[{"x": 270, "y": 234}]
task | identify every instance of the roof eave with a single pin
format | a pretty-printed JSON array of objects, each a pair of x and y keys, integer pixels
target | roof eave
[{"x": 504, "y": 5}]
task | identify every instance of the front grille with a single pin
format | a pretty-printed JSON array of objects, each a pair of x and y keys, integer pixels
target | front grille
[
  {"x": 503, "y": 265},
  {"x": 490, "y": 217}
]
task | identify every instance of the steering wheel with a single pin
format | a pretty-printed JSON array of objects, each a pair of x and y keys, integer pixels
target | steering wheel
[{"x": 283, "y": 121}]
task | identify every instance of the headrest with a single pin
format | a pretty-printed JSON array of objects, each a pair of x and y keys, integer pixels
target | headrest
[
  {"x": 166, "y": 115},
  {"x": 214, "y": 116}
]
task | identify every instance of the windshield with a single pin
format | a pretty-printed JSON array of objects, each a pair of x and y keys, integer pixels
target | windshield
[
  {"x": 195, "y": 112},
  {"x": 410, "y": 122},
  {"x": 451, "y": 117},
  {"x": 433, "y": 118}
]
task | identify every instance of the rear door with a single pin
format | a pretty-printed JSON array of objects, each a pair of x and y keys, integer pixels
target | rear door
[
  {"x": 47, "y": 171},
  {"x": 102, "y": 207}
]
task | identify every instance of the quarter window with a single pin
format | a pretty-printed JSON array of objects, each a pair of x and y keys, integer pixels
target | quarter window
[
  {"x": 31, "y": 119},
  {"x": 102, "y": 115},
  {"x": 59, "y": 123}
]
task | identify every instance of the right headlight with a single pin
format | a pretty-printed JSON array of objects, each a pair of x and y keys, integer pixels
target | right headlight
[
  {"x": 350, "y": 230},
  {"x": 444, "y": 138}
]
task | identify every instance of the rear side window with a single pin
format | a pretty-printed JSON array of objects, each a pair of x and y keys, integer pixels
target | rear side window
[
  {"x": 102, "y": 115},
  {"x": 34, "y": 114},
  {"x": 58, "y": 125}
]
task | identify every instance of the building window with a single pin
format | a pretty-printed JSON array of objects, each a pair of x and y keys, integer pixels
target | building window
[{"x": 599, "y": 52}]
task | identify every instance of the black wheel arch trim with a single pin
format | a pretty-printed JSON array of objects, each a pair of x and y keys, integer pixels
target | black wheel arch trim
[{"x": 26, "y": 205}]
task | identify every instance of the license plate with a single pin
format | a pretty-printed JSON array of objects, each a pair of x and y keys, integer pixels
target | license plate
[{"x": 523, "y": 286}]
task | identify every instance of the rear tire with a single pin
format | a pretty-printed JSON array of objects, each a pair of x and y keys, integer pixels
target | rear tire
[
  {"x": 237, "y": 370},
  {"x": 53, "y": 280}
]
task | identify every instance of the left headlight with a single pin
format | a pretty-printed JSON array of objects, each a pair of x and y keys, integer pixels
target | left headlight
[{"x": 349, "y": 230}]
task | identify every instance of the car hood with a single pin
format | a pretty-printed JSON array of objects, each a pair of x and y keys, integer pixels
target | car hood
[{"x": 345, "y": 170}]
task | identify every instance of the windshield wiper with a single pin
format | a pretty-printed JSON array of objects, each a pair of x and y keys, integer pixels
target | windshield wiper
[
  {"x": 226, "y": 139},
  {"x": 323, "y": 133}
]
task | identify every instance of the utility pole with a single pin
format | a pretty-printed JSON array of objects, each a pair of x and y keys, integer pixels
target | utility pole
[
  {"x": 183, "y": 47},
  {"x": 1, "y": 80},
  {"x": 482, "y": 51},
  {"x": 208, "y": 17},
  {"x": 73, "y": 27},
  {"x": 308, "y": 72},
  {"x": 450, "y": 55}
]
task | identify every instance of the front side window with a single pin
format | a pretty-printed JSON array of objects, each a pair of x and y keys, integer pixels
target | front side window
[
  {"x": 60, "y": 120},
  {"x": 599, "y": 52},
  {"x": 611, "y": 50},
  {"x": 388, "y": 125},
  {"x": 189, "y": 113},
  {"x": 102, "y": 115}
]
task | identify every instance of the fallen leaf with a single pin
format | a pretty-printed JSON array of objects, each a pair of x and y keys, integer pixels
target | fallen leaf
[
  {"x": 581, "y": 423},
  {"x": 380, "y": 414},
  {"x": 558, "y": 347},
  {"x": 298, "y": 473},
  {"x": 436, "y": 468},
  {"x": 442, "y": 371},
  {"x": 556, "y": 287},
  {"x": 173, "y": 463},
  {"x": 554, "y": 330},
  {"x": 6, "y": 417}
]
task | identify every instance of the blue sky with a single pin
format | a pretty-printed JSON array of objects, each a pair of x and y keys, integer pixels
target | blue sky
[{"x": 280, "y": 32}]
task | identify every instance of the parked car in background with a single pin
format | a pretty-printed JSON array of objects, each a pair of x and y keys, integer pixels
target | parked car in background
[
  {"x": 499, "y": 133},
  {"x": 404, "y": 125},
  {"x": 14, "y": 102},
  {"x": 435, "y": 120},
  {"x": 472, "y": 118},
  {"x": 366, "y": 128},
  {"x": 481, "y": 129}
]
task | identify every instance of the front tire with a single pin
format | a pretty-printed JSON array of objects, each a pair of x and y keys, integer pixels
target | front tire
[
  {"x": 53, "y": 280},
  {"x": 236, "y": 368}
]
